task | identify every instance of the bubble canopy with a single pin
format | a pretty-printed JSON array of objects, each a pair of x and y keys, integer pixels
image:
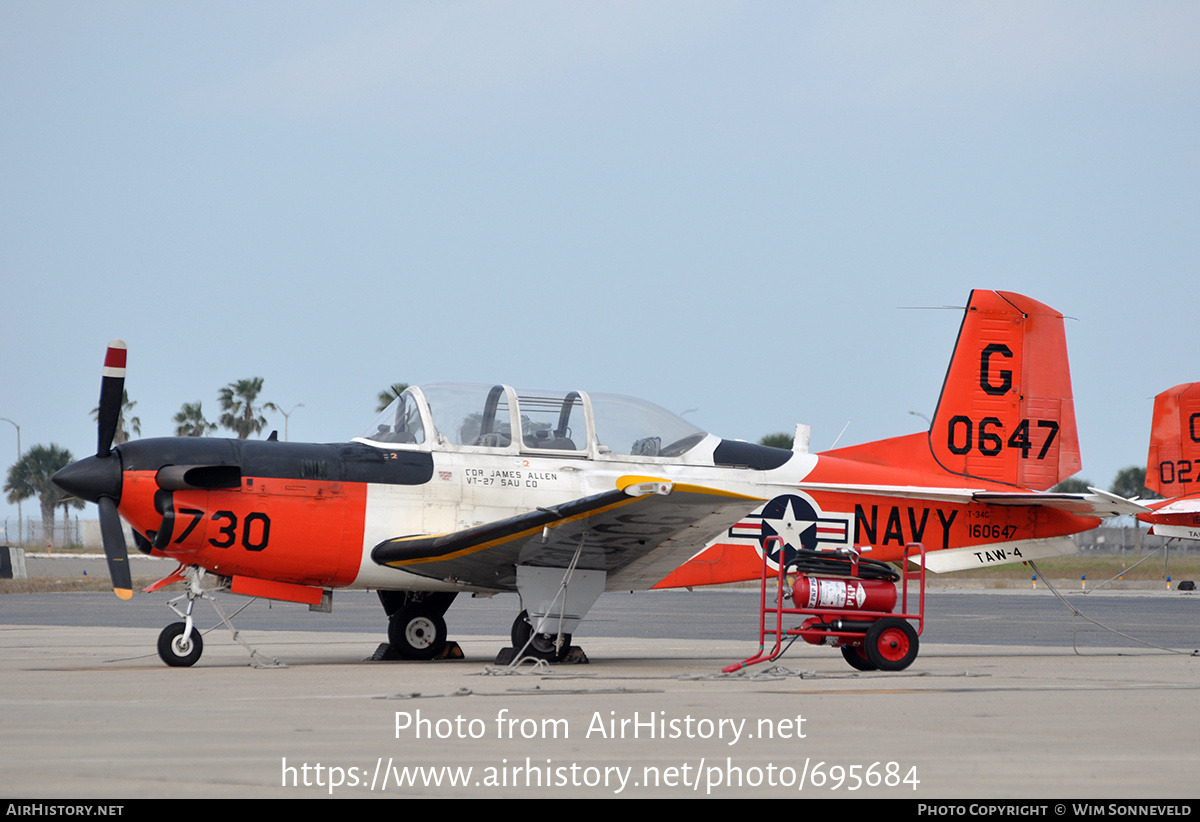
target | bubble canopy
[{"x": 468, "y": 417}]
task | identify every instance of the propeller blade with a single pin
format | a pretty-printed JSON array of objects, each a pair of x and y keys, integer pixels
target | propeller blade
[
  {"x": 114, "y": 548},
  {"x": 112, "y": 393}
]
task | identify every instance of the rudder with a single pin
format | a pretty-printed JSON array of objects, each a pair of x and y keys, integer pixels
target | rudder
[
  {"x": 1006, "y": 413},
  {"x": 1174, "y": 458}
]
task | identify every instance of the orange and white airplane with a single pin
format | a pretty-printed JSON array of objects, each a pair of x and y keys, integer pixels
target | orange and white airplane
[
  {"x": 1173, "y": 463},
  {"x": 561, "y": 495}
]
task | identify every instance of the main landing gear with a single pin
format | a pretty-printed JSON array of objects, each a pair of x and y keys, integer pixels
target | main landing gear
[
  {"x": 417, "y": 626},
  {"x": 550, "y": 647}
]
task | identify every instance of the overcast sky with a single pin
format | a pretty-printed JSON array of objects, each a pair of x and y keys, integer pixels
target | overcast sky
[{"x": 720, "y": 206}]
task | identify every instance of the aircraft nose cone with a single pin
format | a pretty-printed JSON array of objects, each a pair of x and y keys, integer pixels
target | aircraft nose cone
[{"x": 92, "y": 478}]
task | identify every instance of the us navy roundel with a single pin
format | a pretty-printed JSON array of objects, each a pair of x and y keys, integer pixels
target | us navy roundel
[{"x": 799, "y": 522}]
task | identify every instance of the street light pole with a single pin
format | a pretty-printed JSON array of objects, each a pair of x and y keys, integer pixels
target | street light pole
[
  {"x": 287, "y": 414},
  {"x": 20, "y": 516}
]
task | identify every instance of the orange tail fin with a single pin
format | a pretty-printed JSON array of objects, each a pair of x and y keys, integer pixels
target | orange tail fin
[
  {"x": 1006, "y": 413},
  {"x": 1174, "y": 459}
]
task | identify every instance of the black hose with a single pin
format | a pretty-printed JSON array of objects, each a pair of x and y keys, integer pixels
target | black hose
[{"x": 817, "y": 563}]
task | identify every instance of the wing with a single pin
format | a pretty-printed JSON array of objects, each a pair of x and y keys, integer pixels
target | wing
[{"x": 637, "y": 533}]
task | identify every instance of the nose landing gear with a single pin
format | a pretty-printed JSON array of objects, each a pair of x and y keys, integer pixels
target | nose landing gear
[{"x": 180, "y": 643}]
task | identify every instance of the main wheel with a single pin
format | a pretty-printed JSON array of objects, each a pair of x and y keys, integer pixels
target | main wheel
[
  {"x": 856, "y": 656},
  {"x": 175, "y": 651},
  {"x": 417, "y": 632},
  {"x": 892, "y": 644},
  {"x": 542, "y": 646}
]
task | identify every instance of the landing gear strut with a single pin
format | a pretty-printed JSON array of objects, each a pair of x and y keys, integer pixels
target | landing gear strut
[{"x": 179, "y": 644}]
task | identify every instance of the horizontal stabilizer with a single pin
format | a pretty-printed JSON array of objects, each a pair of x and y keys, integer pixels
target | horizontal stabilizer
[
  {"x": 962, "y": 495},
  {"x": 1177, "y": 518},
  {"x": 1096, "y": 503},
  {"x": 1183, "y": 505}
]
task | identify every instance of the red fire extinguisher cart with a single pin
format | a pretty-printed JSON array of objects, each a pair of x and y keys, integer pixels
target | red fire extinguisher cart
[{"x": 848, "y": 602}]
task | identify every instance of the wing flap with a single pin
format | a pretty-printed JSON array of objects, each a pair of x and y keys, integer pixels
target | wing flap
[{"x": 637, "y": 533}]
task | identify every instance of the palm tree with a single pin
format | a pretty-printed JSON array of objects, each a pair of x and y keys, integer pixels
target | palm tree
[
  {"x": 190, "y": 422},
  {"x": 385, "y": 397},
  {"x": 31, "y": 477},
  {"x": 122, "y": 435},
  {"x": 1129, "y": 483},
  {"x": 780, "y": 440},
  {"x": 241, "y": 415}
]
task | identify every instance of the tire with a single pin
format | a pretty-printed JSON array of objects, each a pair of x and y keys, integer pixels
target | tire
[
  {"x": 416, "y": 632},
  {"x": 892, "y": 644},
  {"x": 174, "y": 651},
  {"x": 542, "y": 646},
  {"x": 856, "y": 656}
]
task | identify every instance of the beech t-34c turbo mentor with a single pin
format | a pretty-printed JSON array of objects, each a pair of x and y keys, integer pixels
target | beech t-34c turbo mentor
[
  {"x": 560, "y": 496},
  {"x": 1173, "y": 463}
]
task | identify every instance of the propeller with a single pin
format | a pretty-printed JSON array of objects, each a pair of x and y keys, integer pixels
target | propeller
[
  {"x": 112, "y": 392},
  {"x": 114, "y": 548},
  {"x": 98, "y": 479}
]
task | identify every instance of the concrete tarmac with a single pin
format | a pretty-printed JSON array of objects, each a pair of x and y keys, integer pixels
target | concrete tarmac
[{"x": 92, "y": 712}]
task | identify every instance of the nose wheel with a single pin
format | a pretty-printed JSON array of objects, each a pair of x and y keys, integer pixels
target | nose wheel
[
  {"x": 179, "y": 647},
  {"x": 180, "y": 644}
]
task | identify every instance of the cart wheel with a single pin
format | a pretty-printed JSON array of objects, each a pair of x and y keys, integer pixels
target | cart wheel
[
  {"x": 857, "y": 657},
  {"x": 891, "y": 644}
]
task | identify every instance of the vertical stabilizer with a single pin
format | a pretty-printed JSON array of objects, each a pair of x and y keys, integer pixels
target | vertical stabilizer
[
  {"x": 1174, "y": 459},
  {"x": 1006, "y": 413}
]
